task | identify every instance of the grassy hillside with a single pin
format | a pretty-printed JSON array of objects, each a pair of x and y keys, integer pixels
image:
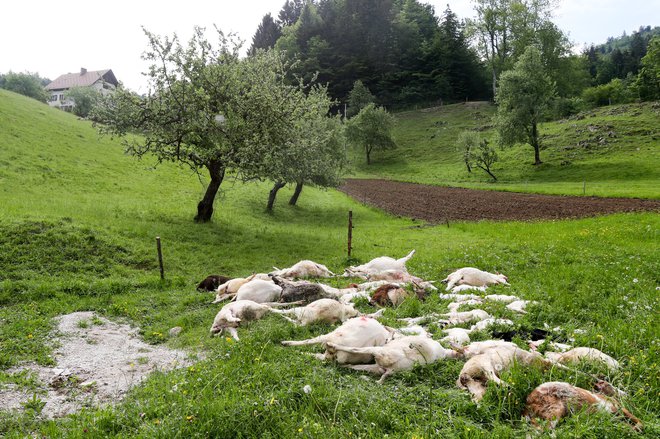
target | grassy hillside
[
  {"x": 77, "y": 229},
  {"x": 611, "y": 151}
]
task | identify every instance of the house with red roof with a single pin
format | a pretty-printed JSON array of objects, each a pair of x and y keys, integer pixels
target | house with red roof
[{"x": 103, "y": 81}]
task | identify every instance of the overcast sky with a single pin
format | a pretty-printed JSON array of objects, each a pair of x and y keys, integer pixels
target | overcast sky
[{"x": 53, "y": 38}]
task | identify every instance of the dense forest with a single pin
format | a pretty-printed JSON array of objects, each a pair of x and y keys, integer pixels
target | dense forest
[
  {"x": 400, "y": 50},
  {"x": 407, "y": 54}
]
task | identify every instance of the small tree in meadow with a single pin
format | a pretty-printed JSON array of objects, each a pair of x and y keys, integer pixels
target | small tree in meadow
[
  {"x": 523, "y": 96},
  {"x": 371, "y": 129},
  {"x": 477, "y": 152},
  {"x": 85, "y": 98},
  {"x": 209, "y": 109},
  {"x": 358, "y": 98}
]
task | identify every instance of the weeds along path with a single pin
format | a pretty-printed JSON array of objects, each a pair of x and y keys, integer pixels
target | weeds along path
[{"x": 437, "y": 204}]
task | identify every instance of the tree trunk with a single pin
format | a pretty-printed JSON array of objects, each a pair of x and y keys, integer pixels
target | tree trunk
[
  {"x": 535, "y": 145},
  {"x": 296, "y": 193},
  {"x": 205, "y": 206},
  {"x": 487, "y": 170},
  {"x": 368, "y": 155},
  {"x": 273, "y": 193},
  {"x": 494, "y": 81}
]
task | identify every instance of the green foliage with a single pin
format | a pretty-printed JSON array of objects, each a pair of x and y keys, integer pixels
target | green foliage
[
  {"x": 468, "y": 142},
  {"x": 614, "y": 92},
  {"x": 85, "y": 99},
  {"x": 358, "y": 98},
  {"x": 619, "y": 57},
  {"x": 504, "y": 29},
  {"x": 371, "y": 129},
  {"x": 523, "y": 96},
  {"x": 27, "y": 84},
  {"x": 212, "y": 111},
  {"x": 266, "y": 34},
  {"x": 477, "y": 152},
  {"x": 648, "y": 82},
  {"x": 398, "y": 49}
]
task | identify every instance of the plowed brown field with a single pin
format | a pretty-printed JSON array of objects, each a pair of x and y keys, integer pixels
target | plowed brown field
[{"x": 438, "y": 204}]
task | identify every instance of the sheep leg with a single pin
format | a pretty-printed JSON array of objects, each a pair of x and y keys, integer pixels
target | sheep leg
[
  {"x": 233, "y": 332},
  {"x": 282, "y": 304},
  {"x": 491, "y": 376},
  {"x": 353, "y": 350},
  {"x": 315, "y": 340},
  {"x": 371, "y": 368},
  {"x": 637, "y": 423},
  {"x": 387, "y": 373},
  {"x": 283, "y": 315},
  {"x": 376, "y": 314},
  {"x": 223, "y": 298}
]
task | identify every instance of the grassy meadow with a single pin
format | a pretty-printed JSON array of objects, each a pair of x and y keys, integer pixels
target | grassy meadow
[
  {"x": 607, "y": 152},
  {"x": 78, "y": 222}
]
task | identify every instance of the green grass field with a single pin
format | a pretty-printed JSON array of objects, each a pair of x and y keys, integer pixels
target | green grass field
[
  {"x": 77, "y": 229},
  {"x": 612, "y": 151}
]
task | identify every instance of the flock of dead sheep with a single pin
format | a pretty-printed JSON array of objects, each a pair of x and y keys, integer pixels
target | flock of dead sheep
[{"x": 362, "y": 343}]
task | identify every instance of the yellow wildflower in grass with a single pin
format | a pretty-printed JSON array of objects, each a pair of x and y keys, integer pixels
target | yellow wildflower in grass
[{"x": 29, "y": 336}]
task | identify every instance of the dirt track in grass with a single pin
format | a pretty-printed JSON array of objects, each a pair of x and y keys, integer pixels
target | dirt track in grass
[{"x": 438, "y": 204}]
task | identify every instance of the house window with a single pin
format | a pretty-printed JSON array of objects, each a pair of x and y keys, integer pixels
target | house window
[
  {"x": 61, "y": 97},
  {"x": 53, "y": 98}
]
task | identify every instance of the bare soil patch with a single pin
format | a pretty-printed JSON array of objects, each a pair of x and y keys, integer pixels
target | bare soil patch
[
  {"x": 97, "y": 362},
  {"x": 437, "y": 204}
]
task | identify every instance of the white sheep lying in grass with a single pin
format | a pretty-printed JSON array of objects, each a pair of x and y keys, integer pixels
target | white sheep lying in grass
[
  {"x": 259, "y": 291},
  {"x": 552, "y": 345},
  {"x": 479, "y": 347},
  {"x": 456, "y": 336},
  {"x": 520, "y": 305},
  {"x": 418, "y": 320},
  {"x": 379, "y": 265},
  {"x": 501, "y": 298},
  {"x": 458, "y": 318},
  {"x": 232, "y": 314},
  {"x": 576, "y": 355},
  {"x": 320, "y": 311},
  {"x": 485, "y": 367},
  {"x": 474, "y": 277},
  {"x": 461, "y": 288},
  {"x": 453, "y": 306},
  {"x": 356, "y": 332},
  {"x": 350, "y": 297},
  {"x": 303, "y": 269},
  {"x": 486, "y": 323},
  {"x": 229, "y": 289},
  {"x": 411, "y": 330},
  {"x": 398, "y": 355},
  {"x": 458, "y": 297}
]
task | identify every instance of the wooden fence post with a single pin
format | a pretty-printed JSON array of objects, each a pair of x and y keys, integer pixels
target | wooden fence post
[
  {"x": 350, "y": 232},
  {"x": 160, "y": 258}
]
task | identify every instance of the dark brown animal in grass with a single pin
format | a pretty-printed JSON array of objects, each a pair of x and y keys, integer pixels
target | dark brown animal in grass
[
  {"x": 555, "y": 400},
  {"x": 392, "y": 295},
  {"x": 212, "y": 282}
]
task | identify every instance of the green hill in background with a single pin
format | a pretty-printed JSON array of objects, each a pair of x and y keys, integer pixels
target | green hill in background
[{"x": 614, "y": 151}]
